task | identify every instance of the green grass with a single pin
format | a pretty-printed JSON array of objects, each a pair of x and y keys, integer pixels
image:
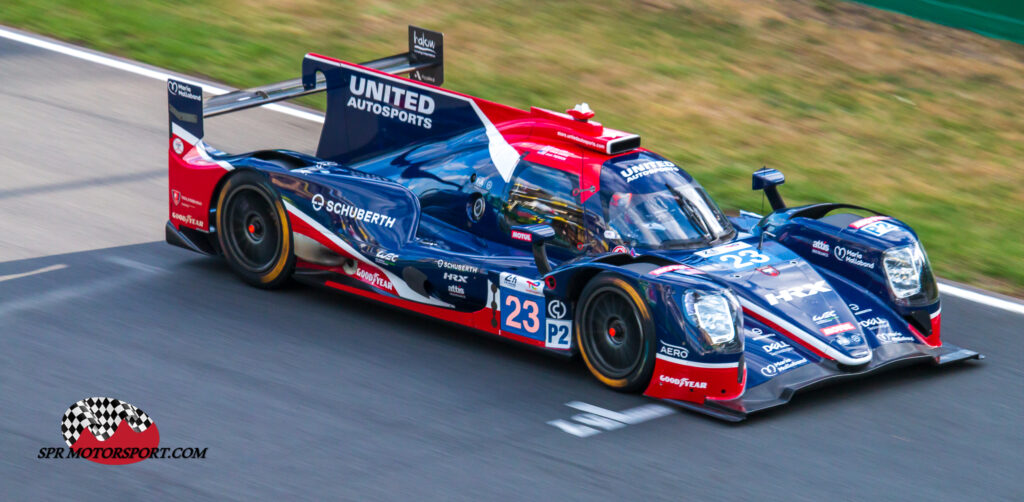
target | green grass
[{"x": 853, "y": 104}]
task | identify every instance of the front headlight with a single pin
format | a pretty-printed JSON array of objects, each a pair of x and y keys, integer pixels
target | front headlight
[
  {"x": 715, "y": 315},
  {"x": 903, "y": 266}
]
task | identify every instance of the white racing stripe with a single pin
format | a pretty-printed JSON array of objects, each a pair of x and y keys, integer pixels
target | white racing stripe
[
  {"x": 138, "y": 69},
  {"x": 684, "y": 362}
]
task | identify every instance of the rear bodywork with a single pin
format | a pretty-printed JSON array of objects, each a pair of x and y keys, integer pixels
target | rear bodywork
[{"x": 405, "y": 202}]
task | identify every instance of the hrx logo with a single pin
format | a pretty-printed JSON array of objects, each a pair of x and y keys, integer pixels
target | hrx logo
[{"x": 804, "y": 290}]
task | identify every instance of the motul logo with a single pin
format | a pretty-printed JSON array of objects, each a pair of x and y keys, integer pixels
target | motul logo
[
  {"x": 787, "y": 295},
  {"x": 838, "y": 328},
  {"x": 522, "y": 236}
]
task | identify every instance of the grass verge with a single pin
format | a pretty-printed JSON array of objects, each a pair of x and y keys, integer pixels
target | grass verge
[{"x": 854, "y": 104}]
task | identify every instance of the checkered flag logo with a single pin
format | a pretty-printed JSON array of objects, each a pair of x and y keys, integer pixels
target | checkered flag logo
[{"x": 102, "y": 416}]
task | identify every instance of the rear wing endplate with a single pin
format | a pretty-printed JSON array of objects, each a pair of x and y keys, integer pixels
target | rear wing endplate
[{"x": 423, "y": 62}]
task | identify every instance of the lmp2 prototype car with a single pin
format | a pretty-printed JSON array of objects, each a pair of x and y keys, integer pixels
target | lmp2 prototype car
[{"x": 554, "y": 231}]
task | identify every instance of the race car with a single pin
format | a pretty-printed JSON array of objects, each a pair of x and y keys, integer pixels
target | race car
[{"x": 553, "y": 231}]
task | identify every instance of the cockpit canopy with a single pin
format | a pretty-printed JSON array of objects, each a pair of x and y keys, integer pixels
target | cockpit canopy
[{"x": 649, "y": 202}]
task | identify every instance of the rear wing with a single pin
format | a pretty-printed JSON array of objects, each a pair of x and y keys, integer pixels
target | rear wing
[{"x": 423, "y": 62}]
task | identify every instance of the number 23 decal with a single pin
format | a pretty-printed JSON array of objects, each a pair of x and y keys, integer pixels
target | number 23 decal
[
  {"x": 738, "y": 258},
  {"x": 529, "y": 308}
]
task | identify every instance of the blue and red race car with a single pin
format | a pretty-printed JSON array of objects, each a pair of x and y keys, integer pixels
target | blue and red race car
[{"x": 554, "y": 231}]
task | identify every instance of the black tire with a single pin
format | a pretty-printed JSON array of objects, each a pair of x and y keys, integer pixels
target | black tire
[
  {"x": 253, "y": 231},
  {"x": 615, "y": 333}
]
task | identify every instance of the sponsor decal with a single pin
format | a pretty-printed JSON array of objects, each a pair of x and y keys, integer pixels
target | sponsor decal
[
  {"x": 668, "y": 268},
  {"x": 891, "y": 337},
  {"x": 373, "y": 278},
  {"x": 856, "y": 309},
  {"x": 611, "y": 234},
  {"x": 534, "y": 286},
  {"x": 624, "y": 250},
  {"x": 580, "y": 139},
  {"x": 874, "y": 322},
  {"x": 801, "y": 291},
  {"x": 683, "y": 382},
  {"x": 648, "y": 168},
  {"x": 867, "y": 221},
  {"x": 521, "y": 284},
  {"x": 110, "y": 431},
  {"x": 725, "y": 248},
  {"x": 880, "y": 228},
  {"x": 385, "y": 258},
  {"x": 820, "y": 247},
  {"x": 423, "y": 46},
  {"x": 350, "y": 211},
  {"x": 479, "y": 206},
  {"x": 838, "y": 328},
  {"x": 769, "y": 271},
  {"x": 188, "y": 220},
  {"x": 456, "y": 290},
  {"x": 388, "y": 101},
  {"x": 674, "y": 351},
  {"x": 187, "y": 202},
  {"x": 852, "y": 257},
  {"x": 826, "y": 317},
  {"x": 522, "y": 236},
  {"x": 785, "y": 364},
  {"x": 448, "y": 276},
  {"x": 458, "y": 267},
  {"x": 557, "y": 309},
  {"x": 178, "y": 145},
  {"x": 182, "y": 89},
  {"x": 776, "y": 346},
  {"x": 555, "y": 153},
  {"x": 875, "y": 225}
]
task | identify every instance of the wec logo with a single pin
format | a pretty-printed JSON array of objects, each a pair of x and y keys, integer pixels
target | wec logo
[{"x": 805, "y": 290}]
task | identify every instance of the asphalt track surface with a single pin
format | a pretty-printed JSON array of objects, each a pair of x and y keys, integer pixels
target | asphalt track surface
[{"x": 308, "y": 394}]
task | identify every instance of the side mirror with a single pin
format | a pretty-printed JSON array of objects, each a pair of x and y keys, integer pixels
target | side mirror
[
  {"x": 768, "y": 180},
  {"x": 536, "y": 235}
]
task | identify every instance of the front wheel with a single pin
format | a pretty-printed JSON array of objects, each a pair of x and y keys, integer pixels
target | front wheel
[
  {"x": 253, "y": 231},
  {"x": 615, "y": 334}
]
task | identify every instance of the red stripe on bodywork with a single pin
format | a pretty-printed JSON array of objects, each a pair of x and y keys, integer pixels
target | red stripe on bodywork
[
  {"x": 481, "y": 319},
  {"x": 786, "y": 333},
  {"x": 670, "y": 381},
  {"x": 934, "y": 339}
]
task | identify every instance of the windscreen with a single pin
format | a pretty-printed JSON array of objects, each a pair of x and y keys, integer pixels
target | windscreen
[{"x": 650, "y": 202}]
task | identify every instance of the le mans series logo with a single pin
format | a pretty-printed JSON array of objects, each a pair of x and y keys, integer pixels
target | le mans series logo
[{"x": 113, "y": 432}]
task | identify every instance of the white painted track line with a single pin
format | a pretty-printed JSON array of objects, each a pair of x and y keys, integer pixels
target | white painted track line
[
  {"x": 43, "y": 270},
  {"x": 157, "y": 74}
]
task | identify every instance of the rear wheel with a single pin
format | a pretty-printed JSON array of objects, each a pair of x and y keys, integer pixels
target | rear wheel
[
  {"x": 615, "y": 334},
  {"x": 253, "y": 231}
]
